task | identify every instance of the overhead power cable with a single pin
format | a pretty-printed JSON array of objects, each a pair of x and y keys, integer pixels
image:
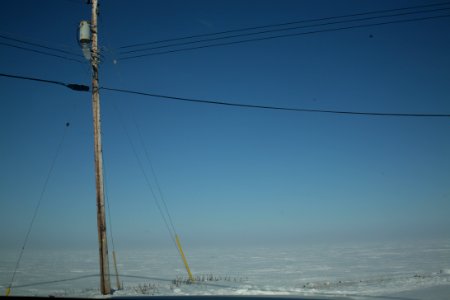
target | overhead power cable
[
  {"x": 144, "y": 173},
  {"x": 284, "y": 36},
  {"x": 278, "y": 108},
  {"x": 40, "y": 52},
  {"x": 174, "y": 235},
  {"x": 282, "y": 30},
  {"x": 284, "y": 24},
  {"x": 166, "y": 217},
  {"x": 36, "y": 209},
  {"x": 106, "y": 195},
  {"x": 234, "y": 104},
  {"x": 158, "y": 186},
  {"x": 72, "y": 86},
  {"x": 40, "y": 46}
]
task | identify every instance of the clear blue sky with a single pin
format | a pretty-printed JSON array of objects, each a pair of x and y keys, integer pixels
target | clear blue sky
[{"x": 229, "y": 175}]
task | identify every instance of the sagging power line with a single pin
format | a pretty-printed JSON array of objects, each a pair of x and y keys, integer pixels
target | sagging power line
[
  {"x": 72, "y": 86},
  {"x": 280, "y": 30},
  {"x": 286, "y": 35},
  {"x": 40, "y": 46},
  {"x": 277, "y": 108},
  {"x": 40, "y": 52},
  {"x": 80, "y": 87},
  {"x": 283, "y": 24}
]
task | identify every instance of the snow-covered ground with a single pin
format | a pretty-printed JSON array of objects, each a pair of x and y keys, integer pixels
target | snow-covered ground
[{"x": 345, "y": 269}]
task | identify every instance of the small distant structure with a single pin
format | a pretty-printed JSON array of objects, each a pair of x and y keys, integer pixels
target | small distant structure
[{"x": 85, "y": 39}]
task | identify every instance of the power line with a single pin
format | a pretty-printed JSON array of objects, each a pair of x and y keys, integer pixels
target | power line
[
  {"x": 233, "y": 104},
  {"x": 283, "y": 24},
  {"x": 32, "y": 39},
  {"x": 166, "y": 217},
  {"x": 147, "y": 180},
  {"x": 38, "y": 205},
  {"x": 253, "y": 106},
  {"x": 161, "y": 195},
  {"x": 282, "y": 30},
  {"x": 40, "y": 52},
  {"x": 73, "y": 86},
  {"x": 105, "y": 189},
  {"x": 285, "y": 35},
  {"x": 40, "y": 45}
]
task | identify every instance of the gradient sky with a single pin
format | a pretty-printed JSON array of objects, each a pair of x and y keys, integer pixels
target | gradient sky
[{"x": 229, "y": 175}]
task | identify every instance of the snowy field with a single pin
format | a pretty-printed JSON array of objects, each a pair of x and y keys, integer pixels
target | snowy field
[{"x": 343, "y": 270}]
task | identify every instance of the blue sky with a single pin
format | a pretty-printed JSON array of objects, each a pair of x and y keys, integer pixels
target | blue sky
[{"x": 229, "y": 175}]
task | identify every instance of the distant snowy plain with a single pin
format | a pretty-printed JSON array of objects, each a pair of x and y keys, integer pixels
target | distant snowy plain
[{"x": 341, "y": 270}]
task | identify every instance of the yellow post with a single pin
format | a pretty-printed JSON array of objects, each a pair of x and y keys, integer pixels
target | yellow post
[
  {"x": 191, "y": 278},
  {"x": 8, "y": 291}
]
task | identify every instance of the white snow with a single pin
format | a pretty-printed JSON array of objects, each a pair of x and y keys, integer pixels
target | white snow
[{"x": 358, "y": 269}]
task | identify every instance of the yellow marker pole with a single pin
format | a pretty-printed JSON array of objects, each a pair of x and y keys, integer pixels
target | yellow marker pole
[
  {"x": 117, "y": 273},
  {"x": 8, "y": 291},
  {"x": 191, "y": 278}
]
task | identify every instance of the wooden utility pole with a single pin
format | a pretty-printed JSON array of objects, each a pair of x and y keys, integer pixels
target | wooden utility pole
[{"x": 105, "y": 285}]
